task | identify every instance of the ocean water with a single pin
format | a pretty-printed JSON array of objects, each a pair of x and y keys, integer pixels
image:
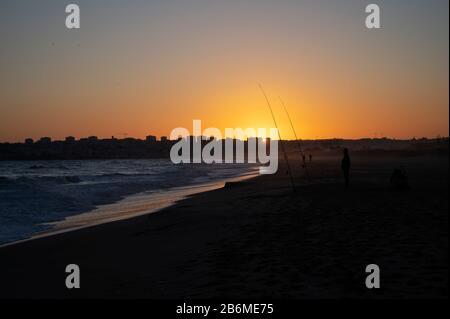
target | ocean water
[{"x": 35, "y": 193}]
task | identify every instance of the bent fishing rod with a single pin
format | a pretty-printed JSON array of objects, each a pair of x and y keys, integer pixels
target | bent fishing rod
[{"x": 281, "y": 141}]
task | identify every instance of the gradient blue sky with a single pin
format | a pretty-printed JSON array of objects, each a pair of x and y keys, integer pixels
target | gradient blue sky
[{"x": 141, "y": 67}]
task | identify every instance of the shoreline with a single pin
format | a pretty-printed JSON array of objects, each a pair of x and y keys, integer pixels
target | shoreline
[{"x": 131, "y": 206}]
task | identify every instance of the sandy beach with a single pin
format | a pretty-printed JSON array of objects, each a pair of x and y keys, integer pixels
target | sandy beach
[{"x": 257, "y": 238}]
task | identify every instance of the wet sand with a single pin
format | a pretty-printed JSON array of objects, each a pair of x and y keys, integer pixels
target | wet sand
[
  {"x": 259, "y": 239},
  {"x": 131, "y": 206}
]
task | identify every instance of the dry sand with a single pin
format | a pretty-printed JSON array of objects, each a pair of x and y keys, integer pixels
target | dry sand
[{"x": 259, "y": 239}]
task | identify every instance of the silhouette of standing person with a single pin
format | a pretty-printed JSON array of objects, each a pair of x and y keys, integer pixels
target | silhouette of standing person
[{"x": 345, "y": 165}]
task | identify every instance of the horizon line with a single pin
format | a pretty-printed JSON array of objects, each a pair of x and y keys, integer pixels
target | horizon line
[{"x": 153, "y": 138}]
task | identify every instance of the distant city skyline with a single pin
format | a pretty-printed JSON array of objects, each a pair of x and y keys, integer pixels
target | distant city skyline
[
  {"x": 154, "y": 138},
  {"x": 146, "y": 67}
]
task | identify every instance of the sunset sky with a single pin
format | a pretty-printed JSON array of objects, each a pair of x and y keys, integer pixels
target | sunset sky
[{"x": 141, "y": 67}]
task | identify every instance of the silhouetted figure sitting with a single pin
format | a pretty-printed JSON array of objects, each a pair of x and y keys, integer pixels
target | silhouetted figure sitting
[
  {"x": 345, "y": 165},
  {"x": 399, "y": 179}
]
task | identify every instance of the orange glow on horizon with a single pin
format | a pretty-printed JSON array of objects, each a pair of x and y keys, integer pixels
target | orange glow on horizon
[{"x": 178, "y": 63}]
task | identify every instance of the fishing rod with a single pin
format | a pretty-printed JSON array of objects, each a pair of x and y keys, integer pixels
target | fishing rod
[
  {"x": 281, "y": 141},
  {"x": 302, "y": 154}
]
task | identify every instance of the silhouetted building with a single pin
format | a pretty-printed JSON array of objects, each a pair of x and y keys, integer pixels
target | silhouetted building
[
  {"x": 93, "y": 138},
  {"x": 163, "y": 138},
  {"x": 70, "y": 139},
  {"x": 29, "y": 141},
  {"x": 150, "y": 138},
  {"x": 45, "y": 140}
]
